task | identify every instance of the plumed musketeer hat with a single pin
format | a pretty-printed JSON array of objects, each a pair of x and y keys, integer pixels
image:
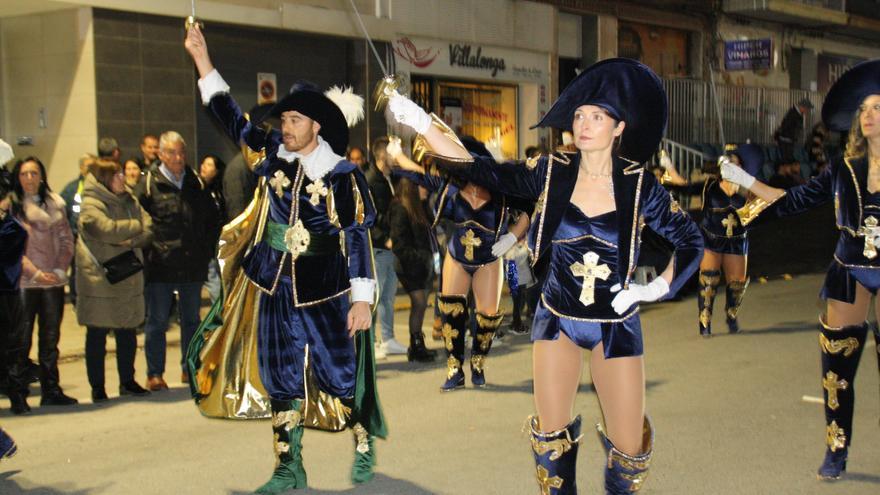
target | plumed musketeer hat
[
  {"x": 848, "y": 92},
  {"x": 629, "y": 91},
  {"x": 336, "y": 110},
  {"x": 751, "y": 156}
]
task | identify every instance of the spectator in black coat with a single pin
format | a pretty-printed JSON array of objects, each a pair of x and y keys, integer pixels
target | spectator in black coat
[
  {"x": 791, "y": 129},
  {"x": 184, "y": 221},
  {"x": 411, "y": 242}
]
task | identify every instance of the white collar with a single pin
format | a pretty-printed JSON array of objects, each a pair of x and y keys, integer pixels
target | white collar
[{"x": 317, "y": 163}]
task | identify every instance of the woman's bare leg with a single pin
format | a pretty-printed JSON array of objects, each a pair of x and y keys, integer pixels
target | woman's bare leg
[
  {"x": 841, "y": 314},
  {"x": 456, "y": 281},
  {"x": 734, "y": 266},
  {"x": 710, "y": 277},
  {"x": 620, "y": 384},
  {"x": 557, "y": 373},
  {"x": 486, "y": 285}
]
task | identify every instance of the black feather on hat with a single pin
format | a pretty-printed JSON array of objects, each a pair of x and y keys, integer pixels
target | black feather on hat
[
  {"x": 847, "y": 94},
  {"x": 336, "y": 110},
  {"x": 629, "y": 91}
]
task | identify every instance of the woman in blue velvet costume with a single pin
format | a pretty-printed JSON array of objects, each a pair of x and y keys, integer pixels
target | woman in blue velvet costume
[
  {"x": 312, "y": 262},
  {"x": 591, "y": 207},
  {"x": 473, "y": 262},
  {"x": 853, "y": 183},
  {"x": 726, "y": 240}
]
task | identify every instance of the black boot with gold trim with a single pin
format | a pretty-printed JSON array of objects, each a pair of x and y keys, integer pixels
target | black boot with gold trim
[
  {"x": 736, "y": 290},
  {"x": 287, "y": 425},
  {"x": 556, "y": 457},
  {"x": 454, "y": 318},
  {"x": 486, "y": 327},
  {"x": 841, "y": 349},
  {"x": 626, "y": 473},
  {"x": 709, "y": 281}
]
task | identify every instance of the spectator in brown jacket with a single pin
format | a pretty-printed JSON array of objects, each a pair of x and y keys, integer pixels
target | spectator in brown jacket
[{"x": 111, "y": 223}]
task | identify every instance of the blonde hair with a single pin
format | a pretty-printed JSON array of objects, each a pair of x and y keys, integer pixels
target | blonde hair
[{"x": 856, "y": 144}]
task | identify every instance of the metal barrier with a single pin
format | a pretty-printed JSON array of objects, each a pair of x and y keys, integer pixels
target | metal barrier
[
  {"x": 687, "y": 161},
  {"x": 748, "y": 113}
]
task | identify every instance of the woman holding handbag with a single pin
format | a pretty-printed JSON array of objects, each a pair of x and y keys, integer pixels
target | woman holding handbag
[{"x": 112, "y": 230}]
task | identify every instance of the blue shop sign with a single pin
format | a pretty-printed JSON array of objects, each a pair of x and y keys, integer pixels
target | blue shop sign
[{"x": 748, "y": 54}]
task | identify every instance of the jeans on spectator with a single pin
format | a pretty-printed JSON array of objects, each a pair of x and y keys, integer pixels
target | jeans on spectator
[
  {"x": 213, "y": 283},
  {"x": 44, "y": 307},
  {"x": 159, "y": 296},
  {"x": 96, "y": 351},
  {"x": 387, "y": 285}
]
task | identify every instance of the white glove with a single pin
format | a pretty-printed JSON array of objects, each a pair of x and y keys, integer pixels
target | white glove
[
  {"x": 733, "y": 173},
  {"x": 394, "y": 149},
  {"x": 408, "y": 113},
  {"x": 665, "y": 162},
  {"x": 503, "y": 245},
  {"x": 638, "y": 293}
]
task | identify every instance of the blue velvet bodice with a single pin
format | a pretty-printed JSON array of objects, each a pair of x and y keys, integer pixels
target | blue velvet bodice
[
  {"x": 719, "y": 211},
  {"x": 577, "y": 236},
  {"x": 484, "y": 222}
]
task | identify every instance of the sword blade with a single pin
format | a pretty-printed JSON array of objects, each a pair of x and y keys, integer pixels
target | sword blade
[{"x": 367, "y": 37}]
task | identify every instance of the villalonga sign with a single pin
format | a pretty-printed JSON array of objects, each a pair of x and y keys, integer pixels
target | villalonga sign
[{"x": 450, "y": 58}]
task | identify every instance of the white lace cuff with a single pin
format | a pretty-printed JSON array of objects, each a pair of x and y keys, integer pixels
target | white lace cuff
[
  {"x": 211, "y": 85},
  {"x": 362, "y": 289}
]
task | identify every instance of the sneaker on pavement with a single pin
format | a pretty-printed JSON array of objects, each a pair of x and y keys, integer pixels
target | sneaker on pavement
[
  {"x": 392, "y": 346},
  {"x": 379, "y": 351}
]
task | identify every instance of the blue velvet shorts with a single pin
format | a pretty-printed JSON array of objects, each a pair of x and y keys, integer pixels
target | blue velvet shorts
[
  {"x": 619, "y": 338},
  {"x": 840, "y": 282},
  {"x": 725, "y": 245}
]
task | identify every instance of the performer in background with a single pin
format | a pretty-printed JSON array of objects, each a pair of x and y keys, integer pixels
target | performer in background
[
  {"x": 473, "y": 261},
  {"x": 591, "y": 207},
  {"x": 853, "y": 182},
  {"x": 726, "y": 240},
  {"x": 312, "y": 253}
]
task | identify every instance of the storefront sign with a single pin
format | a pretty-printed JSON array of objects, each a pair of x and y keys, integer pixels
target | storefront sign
[
  {"x": 830, "y": 67},
  {"x": 748, "y": 54},
  {"x": 466, "y": 60}
]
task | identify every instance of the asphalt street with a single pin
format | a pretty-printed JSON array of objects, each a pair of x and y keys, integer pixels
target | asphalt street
[{"x": 729, "y": 413}]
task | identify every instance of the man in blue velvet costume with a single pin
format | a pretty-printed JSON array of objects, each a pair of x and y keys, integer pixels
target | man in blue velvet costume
[{"x": 311, "y": 257}]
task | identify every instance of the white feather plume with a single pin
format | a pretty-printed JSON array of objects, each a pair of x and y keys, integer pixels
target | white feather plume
[
  {"x": 6, "y": 152},
  {"x": 351, "y": 104}
]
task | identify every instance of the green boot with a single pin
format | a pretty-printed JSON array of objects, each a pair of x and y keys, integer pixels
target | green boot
[
  {"x": 287, "y": 426},
  {"x": 364, "y": 455}
]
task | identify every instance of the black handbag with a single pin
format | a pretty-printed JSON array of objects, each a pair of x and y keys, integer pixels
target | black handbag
[
  {"x": 119, "y": 267},
  {"x": 122, "y": 266}
]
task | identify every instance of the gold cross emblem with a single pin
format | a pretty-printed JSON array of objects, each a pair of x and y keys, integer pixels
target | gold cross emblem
[
  {"x": 449, "y": 333},
  {"x": 590, "y": 270},
  {"x": 317, "y": 190},
  {"x": 485, "y": 340},
  {"x": 832, "y": 385},
  {"x": 729, "y": 222},
  {"x": 835, "y": 437},
  {"x": 869, "y": 230},
  {"x": 279, "y": 182},
  {"x": 470, "y": 241},
  {"x": 546, "y": 482}
]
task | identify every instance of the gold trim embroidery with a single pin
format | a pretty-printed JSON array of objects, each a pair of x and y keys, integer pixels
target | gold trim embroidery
[
  {"x": 632, "y": 246},
  {"x": 453, "y": 366},
  {"x": 848, "y": 345},
  {"x": 288, "y": 419},
  {"x": 835, "y": 437},
  {"x": 546, "y": 482},
  {"x": 485, "y": 340},
  {"x": 489, "y": 322},
  {"x": 582, "y": 237},
  {"x": 477, "y": 225},
  {"x": 452, "y": 309},
  {"x": 361, "y": 437},
  {"x": 477, "y": 361},
  {"x": 543, "y": 207},
  {"x": 858, "y": 189},
  {"x": 588, "y": 320}
]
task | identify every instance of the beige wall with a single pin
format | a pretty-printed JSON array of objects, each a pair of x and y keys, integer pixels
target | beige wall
[{"x": 47, "y": 62}]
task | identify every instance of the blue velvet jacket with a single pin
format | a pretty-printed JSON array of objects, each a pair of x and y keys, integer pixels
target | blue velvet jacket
[
  {"x": 640, "y": 201},
  {"x": 846, "y": 182},
  {"x": 13, "y": 239},
  {"x": 343, "y": 207}
]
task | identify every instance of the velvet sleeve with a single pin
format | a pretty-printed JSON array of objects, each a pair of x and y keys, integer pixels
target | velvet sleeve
[
  {"x": 357, "y": 214},
  {"x": 666, "y": 218},
  {"x": 430, "y": 182},
  {"x": 514, "y": 178},
  {"x": 238, "y": 128},
  {"x": 817, "y": 191}
]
